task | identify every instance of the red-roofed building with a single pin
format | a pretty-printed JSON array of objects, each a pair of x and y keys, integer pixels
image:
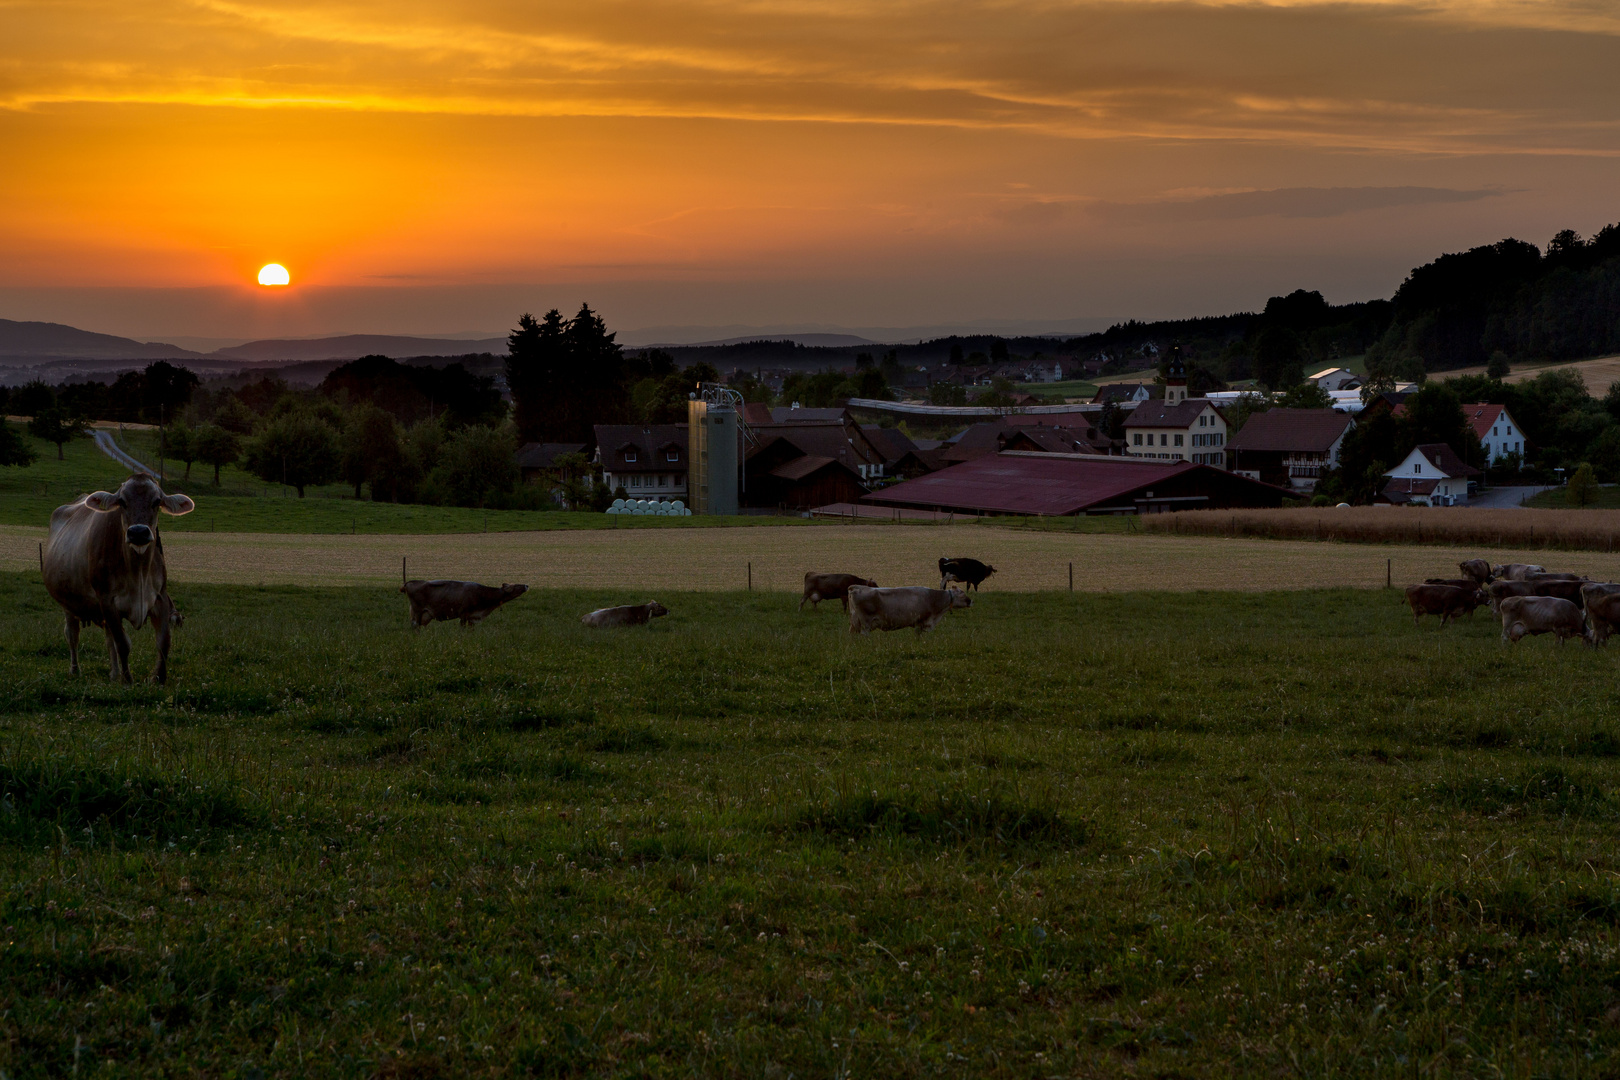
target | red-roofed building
[
  {"x": 1017, "y": 482},
  {"x": 1497, "y": 430},
  {"x": 1289, "y": 447},
  {"x": 1431, "y": 475}
]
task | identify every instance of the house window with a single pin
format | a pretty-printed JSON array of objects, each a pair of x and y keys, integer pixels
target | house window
[
  {"x": 663, "y": 480},
  {"x": 672, "y": 455},
  {"x": 1137, "y": 439},
  {"x": 635, "y": 481},
  {"x": 629, "y": 455},
  {"x": 1178, "y": 443},
  {"x": 1164, "y": 440},
  {"x": 1416, "y": 468},
  {"x": 1493, "y": 433}
]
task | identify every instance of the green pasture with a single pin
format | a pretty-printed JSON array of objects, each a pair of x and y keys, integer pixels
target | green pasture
[
  {"x": 244, "y": 503},
  {"x": 1065, "y": 835},
  {"x": 1069, "y": 388},
  {"x": 1557, "y": 498}
]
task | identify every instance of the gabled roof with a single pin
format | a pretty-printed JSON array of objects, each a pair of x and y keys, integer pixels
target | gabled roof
[
  {"x": 893, "y": 443},
  {"x": 845, "y": 443},
  {"x": 1442, "y": 458},
  {"x": 1301, "y": 430},
  {"x": 647, "y": 440},
  {"x": 1401, "y": 488},
  {"x": 1481, "y": 417},
  {"x": 801, "y": 467},
  {"x": 1120, "y": 392},
  {"x": 1158, "y": 414}
]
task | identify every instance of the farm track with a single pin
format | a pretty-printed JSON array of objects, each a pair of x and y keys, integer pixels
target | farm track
[{"x": 704, "y": 559}]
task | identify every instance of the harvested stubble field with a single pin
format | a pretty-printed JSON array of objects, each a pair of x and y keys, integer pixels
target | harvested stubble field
[
  {"x": 1025, "y": 560},
  {"x": 1163, "y": 834},
  {"x": 1526, "y": 529}
]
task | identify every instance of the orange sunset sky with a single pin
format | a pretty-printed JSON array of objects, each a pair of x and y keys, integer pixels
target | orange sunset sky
[{"x": 435, "y": 168}]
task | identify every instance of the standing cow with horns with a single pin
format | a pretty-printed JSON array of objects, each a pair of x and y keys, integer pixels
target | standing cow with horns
[{"x": 103, "y": 563}]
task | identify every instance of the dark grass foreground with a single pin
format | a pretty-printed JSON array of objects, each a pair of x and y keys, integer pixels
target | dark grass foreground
[{"x": 1157, "y": 835}]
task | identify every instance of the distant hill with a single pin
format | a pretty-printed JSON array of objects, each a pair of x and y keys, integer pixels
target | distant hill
[
  {"x": 45, "y": 341},
  {"x": 353, "y": 346}
]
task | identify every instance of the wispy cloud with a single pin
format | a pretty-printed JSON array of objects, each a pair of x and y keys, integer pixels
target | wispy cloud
[
  {"x": 1300, "y": 202},
  {"x": 1482, "y": 76}
]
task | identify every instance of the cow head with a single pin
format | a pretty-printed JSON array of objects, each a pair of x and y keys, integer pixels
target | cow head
[
  {"x": 655, "y": 610},
  {"x": 137, "y": 501},
  {"x": 960, "y": 598},
  {"x": 869, "y": 583},
  {"x": 512, "y": 592}
]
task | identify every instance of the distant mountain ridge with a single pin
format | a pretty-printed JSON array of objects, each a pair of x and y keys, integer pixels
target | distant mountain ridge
[
  {"x": 44, "y": 341},
  {"x": 35, "y": 343}
]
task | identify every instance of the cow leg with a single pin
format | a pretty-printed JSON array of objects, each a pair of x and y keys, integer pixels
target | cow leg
[
  {"x": 117, "y": 648},
  {"x": 73, "y": 644},
  {"x": 161, "y": 614}
]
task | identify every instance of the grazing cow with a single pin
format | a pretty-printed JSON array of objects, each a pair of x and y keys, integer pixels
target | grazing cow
[
  {"x": 819, "y": 587},
  {"x": 1442, "y": 600},
  {"x": 1522, "y": 615},
  {"x": 1478, "y": 569},
  {"x": 897, "y": 609},
  {"x": 103, "y": 563},
  {"x": 1602, "y": 603},
  {"x": 630, "y": 615},
  {"x": 967, "y": 571},
  {"x": 1502, "y": 588},
  {"x": 1557, "y": 585},
  {"x": 465, "y": 600},
  {"x": 1516, "y": 571}
]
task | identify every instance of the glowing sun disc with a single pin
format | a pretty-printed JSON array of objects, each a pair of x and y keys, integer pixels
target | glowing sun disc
[{"x": 273, "y": 274}]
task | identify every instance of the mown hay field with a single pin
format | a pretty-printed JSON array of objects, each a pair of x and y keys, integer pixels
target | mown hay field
[
  {"x": 1159, "y": 834},
  {"x": 1525, "y": 529},
  {"x": 1026, "y": 560}
]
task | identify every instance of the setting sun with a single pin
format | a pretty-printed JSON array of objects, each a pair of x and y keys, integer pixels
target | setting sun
[{"x": 274, "y": 274}]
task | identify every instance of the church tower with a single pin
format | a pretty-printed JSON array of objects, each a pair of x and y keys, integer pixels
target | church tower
[{"x": 1175, "y": 379}]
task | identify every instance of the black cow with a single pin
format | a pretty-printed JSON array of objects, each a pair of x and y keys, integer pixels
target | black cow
[{"x": 970, "y": 572}]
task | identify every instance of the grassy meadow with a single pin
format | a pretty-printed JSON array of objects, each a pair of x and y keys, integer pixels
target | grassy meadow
[{"x": 1156, "y": 834}]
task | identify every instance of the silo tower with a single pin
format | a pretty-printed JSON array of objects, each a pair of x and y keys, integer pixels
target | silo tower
[{"x": 715, "y": 449}]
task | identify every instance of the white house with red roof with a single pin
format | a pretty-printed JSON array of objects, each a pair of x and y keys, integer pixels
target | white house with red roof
[
  {"x": 1497, "y": 430},
  {"x": 1431, "y": 475}
]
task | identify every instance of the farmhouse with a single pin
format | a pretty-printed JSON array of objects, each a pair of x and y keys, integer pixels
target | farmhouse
[
  {"x": 536, "y": 461},
  {"x": 1431, "y": 475},
  {"x": 1120, "y": 393},
  {"x": 1289, "y": 447},
  {"x": 1497, "y": 431},
  {"x": 648, "y": 461},
  {"x": 1336, "y": 378},
  {"x": 1178, "y": 428},
  {"x": 1020, "y": 482}
]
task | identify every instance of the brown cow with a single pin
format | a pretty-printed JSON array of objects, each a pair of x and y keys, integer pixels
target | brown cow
[
  {"x": 1526, "y": 615},
  {"x": 1477, "y": 569},
  {"x": 1602, "y": 603},
  {"x": 103, "y": 563},
  {"x": 1502, "y": 588},
  {"x": 465, "y": 600},
  {"x": 1442, "y": 600},
  {"x": 819, "y": 587},
  {"x": 899, "y": 609},
  {"x": 630, "y": 615},
  {"x": 1565, "y": 588}
]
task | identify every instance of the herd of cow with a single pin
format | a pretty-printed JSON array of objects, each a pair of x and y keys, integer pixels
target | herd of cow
[
  {"x": 103, "y": 563},
  {"x": 1529, "y": 600}
]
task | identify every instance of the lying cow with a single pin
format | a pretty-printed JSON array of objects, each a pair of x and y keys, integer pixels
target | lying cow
[
  {"x": 899, "y": 609},
  {"x": 465, "y": 600},
  {"x": 970, "y": 572},
  {"x": 631, "y": 615},
  {"x": 819, "y": 587},
  {"x": 1477, "y": 569},
  {"x": 1527, "y": 615},
  {"x": 1516, "y": 571},
  {"x": 1442, "y": 600},
  {"x": 103, "y": 562},
  {"x": 1602, "y": 603}
]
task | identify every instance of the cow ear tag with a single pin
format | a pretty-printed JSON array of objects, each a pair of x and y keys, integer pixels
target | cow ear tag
[
  {"x": 101, "y": 500},
  {"x": 178, "y": 505}
]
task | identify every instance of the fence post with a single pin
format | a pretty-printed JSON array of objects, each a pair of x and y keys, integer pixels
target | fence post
[
  {"x": 1071, "y": 577},
  {"x": 402, "y": 560},
  {"x": 750, "y": 576},
  {"x": 1389, "y": 573}
]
